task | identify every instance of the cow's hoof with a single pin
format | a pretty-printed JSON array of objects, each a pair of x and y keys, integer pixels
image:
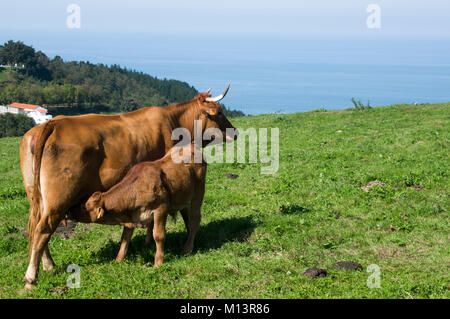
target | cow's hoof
[
  {"x": 47, "y": 267},
  {"x": 119, "y": 259},
  {"x": 29, "y": 286},
  {"x": 29, "y": 283},
  {"x": 158, "y": 262},
  {"x": 188, "y": 250}
]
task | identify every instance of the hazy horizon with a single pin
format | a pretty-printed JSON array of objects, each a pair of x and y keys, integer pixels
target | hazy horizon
[
  {"x": 288, "y": 55},
  {"x": 326, "y": 17}
]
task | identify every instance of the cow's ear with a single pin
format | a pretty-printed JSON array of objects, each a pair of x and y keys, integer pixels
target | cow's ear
[
  {"x": 213, "y": 111},
  {"x": 100, "y": 212}
]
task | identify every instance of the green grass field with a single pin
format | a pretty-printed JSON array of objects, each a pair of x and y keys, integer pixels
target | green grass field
[{"x": 259, "y": 233}]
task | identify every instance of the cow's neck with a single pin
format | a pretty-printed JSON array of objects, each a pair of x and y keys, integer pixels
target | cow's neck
[{"x": 183, "y": 115}]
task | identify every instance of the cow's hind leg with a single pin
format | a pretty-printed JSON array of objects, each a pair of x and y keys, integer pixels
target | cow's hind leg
[
  {"x": 44, "y": 229},
  {"x": 124, "y": 243},
  {"x": 26, "y": 166},
  {"x": 47, "y": 262}
]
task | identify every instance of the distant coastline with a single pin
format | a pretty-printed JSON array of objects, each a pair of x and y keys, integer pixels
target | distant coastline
[
  {"x": 270, "y": 74},
  {"x": 71, "y": 87}
]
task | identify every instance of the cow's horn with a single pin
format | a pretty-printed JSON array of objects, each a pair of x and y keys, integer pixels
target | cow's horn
[
  {"x": 209, "y": 90},
  {"x": 218, "y": 98}
]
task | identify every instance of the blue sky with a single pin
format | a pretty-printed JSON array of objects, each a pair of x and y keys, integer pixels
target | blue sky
[{"x": 281, "y": 17}]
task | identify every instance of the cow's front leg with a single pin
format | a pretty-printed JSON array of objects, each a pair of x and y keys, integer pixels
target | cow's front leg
[
  {"x": 159, "y": 235},
  {"x": 124, "y": 243}
]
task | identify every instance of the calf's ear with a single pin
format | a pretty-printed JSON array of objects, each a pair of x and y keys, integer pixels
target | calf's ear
[{"x": 96, "y": 196}]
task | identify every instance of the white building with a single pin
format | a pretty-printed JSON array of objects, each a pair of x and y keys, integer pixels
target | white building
[{"x": 36, "y": 112}]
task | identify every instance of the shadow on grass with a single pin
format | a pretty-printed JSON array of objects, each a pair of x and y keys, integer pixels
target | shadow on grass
[{"x": 210, "y": 236}]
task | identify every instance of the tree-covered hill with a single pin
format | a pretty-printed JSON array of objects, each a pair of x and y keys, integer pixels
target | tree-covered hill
[{"x": 82, "y": 86}]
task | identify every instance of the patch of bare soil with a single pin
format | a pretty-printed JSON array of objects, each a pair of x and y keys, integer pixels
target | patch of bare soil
[
  {"x": 66, "y": 232},
  {"x": 418, "y": 188},
  {"x": 232, "y": 176},
  {"x": 386, "y": 252},
  {"x": 372, "y": 184},
  {"x": 59, "y": 290},
  {"x": 347, "y": 265}
]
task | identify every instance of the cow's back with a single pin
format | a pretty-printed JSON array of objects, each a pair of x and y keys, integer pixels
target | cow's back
[{"x": 89, "y": 153}]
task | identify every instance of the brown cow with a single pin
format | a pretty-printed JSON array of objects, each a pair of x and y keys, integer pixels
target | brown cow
[
  {"x": 65, "y": 160},
  {"x": 148, "y": 193}
]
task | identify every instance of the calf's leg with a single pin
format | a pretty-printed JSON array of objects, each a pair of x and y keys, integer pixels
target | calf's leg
[
  {"x": 159, "y": 235},
  {"x": 149, "y": 236},
  {"x": 192, "y": 221},
  {"x": 124, "y": 243},
  {"x": 185, "y": 214}
]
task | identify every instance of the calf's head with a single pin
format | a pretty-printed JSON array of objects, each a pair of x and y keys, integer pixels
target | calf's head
[{"x": 94, "y": 206}]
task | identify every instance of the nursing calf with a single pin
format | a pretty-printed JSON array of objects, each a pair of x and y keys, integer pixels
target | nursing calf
[
  {"x": 68, "y": 158},
  {"x": 148, "y": 193}
]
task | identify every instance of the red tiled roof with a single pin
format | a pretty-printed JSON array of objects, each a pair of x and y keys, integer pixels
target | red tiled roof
[
  {"x": 28, "y": 107},
  {"x": 24, "y": 106}
]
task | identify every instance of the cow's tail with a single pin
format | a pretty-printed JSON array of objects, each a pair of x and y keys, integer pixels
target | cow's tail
[{"x": 36, "y": 199}]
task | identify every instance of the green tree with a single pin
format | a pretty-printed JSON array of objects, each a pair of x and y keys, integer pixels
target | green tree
[
  {"x": 14, "y": 124},
  {"x": 129, "y": 104},
  {"x": 16, "y": 52},
  {"x": 35, "y": 63}
]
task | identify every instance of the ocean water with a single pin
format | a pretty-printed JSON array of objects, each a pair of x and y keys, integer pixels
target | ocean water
[{"x": 272, "y": 74}]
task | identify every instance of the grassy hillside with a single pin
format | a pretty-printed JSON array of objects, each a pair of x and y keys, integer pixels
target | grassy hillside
[{"x": 260, "y": 233}]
